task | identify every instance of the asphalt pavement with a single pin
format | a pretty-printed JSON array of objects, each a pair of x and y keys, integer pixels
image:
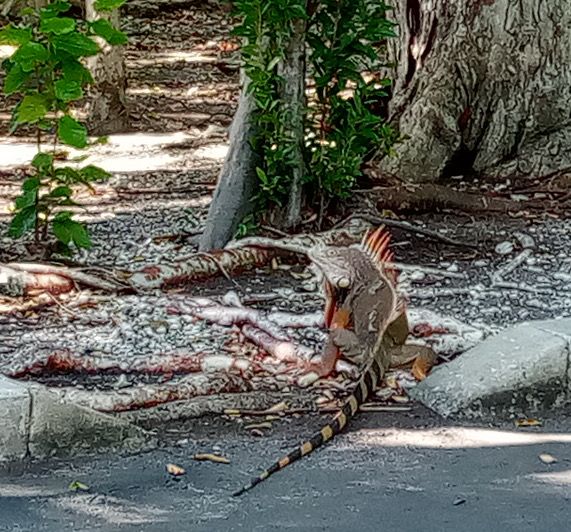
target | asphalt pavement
[{"x": 391, "y": 471}]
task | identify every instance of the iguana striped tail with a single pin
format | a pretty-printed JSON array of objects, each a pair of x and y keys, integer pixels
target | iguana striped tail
[{"x": 366, "y": 386}]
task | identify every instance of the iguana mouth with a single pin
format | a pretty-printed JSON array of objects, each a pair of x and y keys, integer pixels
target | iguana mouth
[{"x": 334, "y": 298}]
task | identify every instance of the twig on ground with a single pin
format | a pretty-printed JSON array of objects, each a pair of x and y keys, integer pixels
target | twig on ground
[{"x": 405, "y": 226}]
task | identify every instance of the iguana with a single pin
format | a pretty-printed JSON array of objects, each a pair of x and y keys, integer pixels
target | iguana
[{"x": 360, "y": 293}]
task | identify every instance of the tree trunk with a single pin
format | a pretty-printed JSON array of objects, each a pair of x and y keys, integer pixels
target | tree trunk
[
  {"x": 106, "y": 107},
  {"x": 292, "y": 70},
  {"x": 482, "y": 87},
  {"x": 237, "y": 182}
]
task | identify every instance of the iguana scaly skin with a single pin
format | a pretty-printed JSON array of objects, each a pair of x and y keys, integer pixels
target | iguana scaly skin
[{"x": 361, "y": 294}]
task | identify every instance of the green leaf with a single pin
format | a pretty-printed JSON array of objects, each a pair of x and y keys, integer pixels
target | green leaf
[
  {"x": 273, "y": 63},
  {"x": 15, "y": 79},
  {"x": 80, "y": 236},
  {"x": 54, "y": 9},
  {"x": 43, "y": 162},
  {"x": 108, "y": 5},
  {"x": 57, "y": 25},
  {"x": 32, "y": 108},
  {"x": 22, "y": 222},
  {"x": 71, "y": 132},
  {"x": 67, "y": 230},
  {"x": 61, "y": 230},
  {"x": 15, "y": 36},
  {"x": 107, "y": 31},
  {"x": 27, "y": 199},
  {"x": 73, "y": 70},
  {"x": 61, "y": 192},
  {"x": 67, "y": 90},
  {"x": 261, "y": 175},
  {"x": 75, "y": 44},
  {"x": 94, "y": 173},
  {"x": 31, "y": 183},
  {"x": 66, "y": 174},
  {"x": 29, "y": 55}
]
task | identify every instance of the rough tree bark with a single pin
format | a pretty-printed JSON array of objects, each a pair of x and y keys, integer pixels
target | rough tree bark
[
  {"x": 481, "y": 86},
  {"x": 237, "y": 182},
  {"x": 106, "y": 107},
  {"x": 292, "y": 70}
]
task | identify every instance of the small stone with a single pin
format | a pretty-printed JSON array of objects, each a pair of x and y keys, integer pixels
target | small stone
[
  {"x": 417, "y": 275},
  {"x": 504, "y": 248},
  {"x": 547, "y": 458},
  {"x": 122, "y": 382},
  {"x": 480, "y": 263},
  {"x": 526, "y": 241},
  {"x": 562, "y": 276}
]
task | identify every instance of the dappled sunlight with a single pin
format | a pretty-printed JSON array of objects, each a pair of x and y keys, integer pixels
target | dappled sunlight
[
  {"x": 112, "y": 510},
  {"x": 175, "y": 56},
  {"x": 6, "y": 51},
  {"x": 130, "y": 140},
  {"x": 198, "y": 94},
  {"x": 455, "y": 438},
  {"x": 216, "y": 152},
  {"x": 135, "y": 152},
  {"x": 556, "y": 478},
  {"x": 20, "y": 490},
  {"x": 135, "y": 163}
]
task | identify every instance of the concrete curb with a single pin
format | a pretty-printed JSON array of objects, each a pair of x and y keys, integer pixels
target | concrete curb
[
  {"x": 521, "y": 371},
  {"x": 36, "y": 423}
]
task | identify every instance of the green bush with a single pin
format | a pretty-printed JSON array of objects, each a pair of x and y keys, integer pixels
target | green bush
[
  {"x": 47, "y": 74},
  {"x": 344, "y": 39}
]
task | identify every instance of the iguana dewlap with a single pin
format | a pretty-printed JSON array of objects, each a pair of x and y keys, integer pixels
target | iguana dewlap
[{"x": 360, "y": 293}]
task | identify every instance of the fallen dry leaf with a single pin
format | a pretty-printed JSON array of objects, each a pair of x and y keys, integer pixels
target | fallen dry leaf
[
  {"x": 263, "y": 425},
  {"x": 547, "y": 458},
  {"x": 211, "y": 458},
  {"x": 175, "y": 470},
  {"x": 400, "y": 399},
  {"x": 279, "y": 407},
  {"x": 391, "y": 382},
  {"x": 78, "y": 486},
  {"x": 421, "y": 367},
  {"x": 528, "y": 422}
]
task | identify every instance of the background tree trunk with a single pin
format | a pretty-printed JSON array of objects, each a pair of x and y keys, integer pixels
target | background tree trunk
[
  {"x": 237, "y": 182},
  {"x": 481, "y": 86},
  {"x": 106, "y": 107},
  {"x": 292, "y": 70},
  {"x": 13, "y": 7}
]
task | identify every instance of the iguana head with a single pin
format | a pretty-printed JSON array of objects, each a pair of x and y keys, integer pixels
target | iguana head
[
  {"x": 341, "y": 266},
  {"x": 344, "y": 267}
]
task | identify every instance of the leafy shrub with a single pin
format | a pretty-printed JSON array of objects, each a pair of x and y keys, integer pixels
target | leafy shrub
[{"x": 47, "y": 73}]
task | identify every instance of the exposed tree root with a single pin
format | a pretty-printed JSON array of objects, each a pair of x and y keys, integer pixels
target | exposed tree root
[
  {"x": 431, "y": 198},
  {"x": 148, "y": 396},
  {"x": 31, "y": 279},
  {"x": 64, "y": 361},
  {"x": 238, "y": 256}
]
